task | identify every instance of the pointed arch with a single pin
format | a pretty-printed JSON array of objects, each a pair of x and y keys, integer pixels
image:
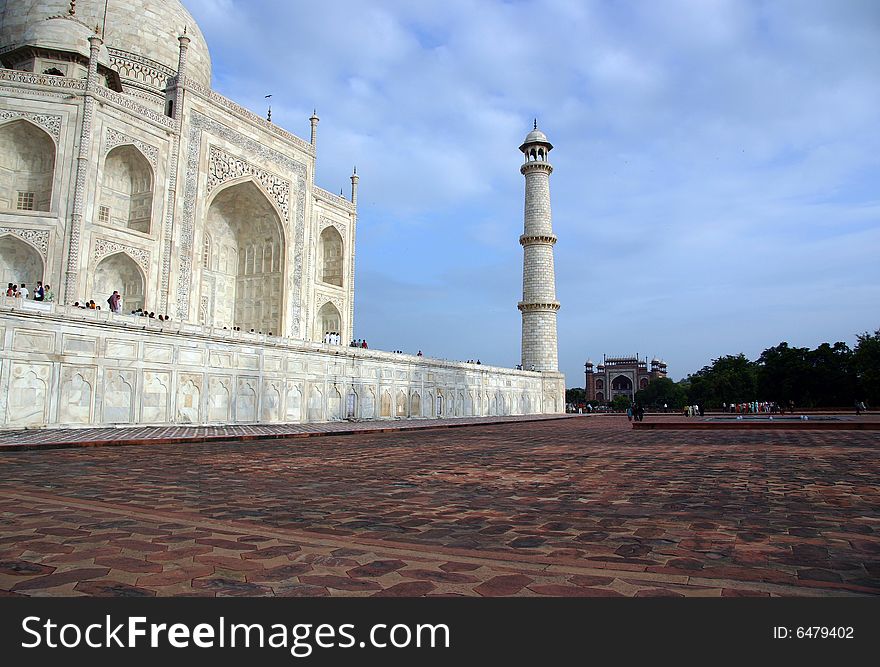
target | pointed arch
[
  {"x": 119, "y": 272},
  {"x": 331, "y": 257},
  {"x": 328, "y": 320},
  {"x": 415, "y": 409},
  {"x": 243, "y": 281},
  {"x": 400, "y": 404},
  {"x": 20, "y": 262},
  {"x": 127, "y": 189},
  {"x": 27, "y": 167}
]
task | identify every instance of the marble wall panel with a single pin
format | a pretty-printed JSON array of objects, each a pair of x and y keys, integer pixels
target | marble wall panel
[
  {"x": 219, "y": 399},
  {"x": 189, "y": 395},
  {"x": 79, "y": 346},
  {"x": 221, "y": 359},
  {"x": 121, "y": 349},
  {"x": 159, "y": 354},
  {"x": 28, "y": 400},
  {"x": 28, "y": 340},
  {"x": 191, "y": 356},
  {"x": 246, "y": 400},
  {"x": 77, "y": 402},
  {"x": 155, "y": 394},
  {"x": 118, "y": 396}
]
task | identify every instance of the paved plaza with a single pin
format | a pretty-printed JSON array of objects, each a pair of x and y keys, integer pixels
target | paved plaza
[{"x": 583, "y": 506}]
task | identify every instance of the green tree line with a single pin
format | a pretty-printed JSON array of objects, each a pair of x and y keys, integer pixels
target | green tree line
[{"x": 828, "y": 376}]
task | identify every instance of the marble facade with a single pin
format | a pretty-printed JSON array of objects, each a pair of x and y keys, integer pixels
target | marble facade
[
  {"x": 120, "y": 169},
  {"x": 70, "y": 367}
]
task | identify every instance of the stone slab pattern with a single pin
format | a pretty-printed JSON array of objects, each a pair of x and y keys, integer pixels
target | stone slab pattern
[{"x": 565, "y": 508}]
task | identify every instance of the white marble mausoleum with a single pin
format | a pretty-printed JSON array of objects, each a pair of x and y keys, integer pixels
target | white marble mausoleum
[{"x": 120, "y": 169}]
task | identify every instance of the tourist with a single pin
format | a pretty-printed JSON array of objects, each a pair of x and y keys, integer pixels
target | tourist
[
  {"x": 48, "y": 294},
  {"x": 639, "y": 412},
  {"x": 23, "y": 291},
  {"x": 92, "y": 305},
  {"x": 38, "y": 291},
  {"x": 364, "y": 345},
  {"x": 115, "y": 302},
  {"x": 419, "y": 354},
  {"x": 10, "y": 290},
  {"x": 629, "y": 413}
]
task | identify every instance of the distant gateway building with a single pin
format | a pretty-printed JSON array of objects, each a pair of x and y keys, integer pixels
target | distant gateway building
[
  {"x": 620, "y": 375},
  {"x": 122, "y": 170}
]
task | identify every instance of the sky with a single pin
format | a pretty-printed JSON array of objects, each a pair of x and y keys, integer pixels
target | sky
[{"x": 716, "y": 184}]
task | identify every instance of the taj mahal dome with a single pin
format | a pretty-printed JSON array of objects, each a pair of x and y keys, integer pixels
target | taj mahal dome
[{"x": 122, "y": 170}]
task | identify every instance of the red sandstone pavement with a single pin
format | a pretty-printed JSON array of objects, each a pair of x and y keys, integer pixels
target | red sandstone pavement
[
  {"x": 41, "y": 438},
  {"x": 573, "y": 507}
]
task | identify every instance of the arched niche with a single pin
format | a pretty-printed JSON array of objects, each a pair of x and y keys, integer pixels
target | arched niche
[
  {"x": 328, "y": 320},
  {"x": 331, "y": 257},
  {"x": 27, "y": 167},
  {"x": 20, "y": 263},
  {"x": 621, "y": 383},
  {"x": 126, "y": 190},
  {"x": 120, "y": 273},
  {"x": 243, "y": 261}
]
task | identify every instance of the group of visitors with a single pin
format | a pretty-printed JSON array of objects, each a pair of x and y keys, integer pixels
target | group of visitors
[
  {"x": 471, "y": 361},
  {"x": 693, "y": 410},
  {"x": 140, "y": 312},
  {"x": 753, "y": 407},
  {"x": 332, "y": 338},
  {"x": 87, "y": 305},
  {"x": 41, "y": 292},
  {"x": 359, "y": 343},
  {"x": 636, "y": 411}
]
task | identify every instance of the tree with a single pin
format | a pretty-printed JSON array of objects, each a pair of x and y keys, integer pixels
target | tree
[
  {"x": 730, "y": 379},
  {"x": 621, "y": 402},
  {"x": 662, "y": 391},
  {"x": 784, "y": 374},
  {"x": 865, "y": 363},
  {"x": 575, "y": 396}
]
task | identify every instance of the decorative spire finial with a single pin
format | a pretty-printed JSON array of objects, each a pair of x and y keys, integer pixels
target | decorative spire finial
[
  {"x": 72, "y": 10},
  {"x": 536, "y": 124}
]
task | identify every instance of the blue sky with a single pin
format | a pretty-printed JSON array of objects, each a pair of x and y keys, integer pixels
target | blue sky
[{"x": 717, "y": 164}]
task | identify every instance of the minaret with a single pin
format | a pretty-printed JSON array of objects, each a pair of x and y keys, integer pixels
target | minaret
[{"x": 539, "y": 304}]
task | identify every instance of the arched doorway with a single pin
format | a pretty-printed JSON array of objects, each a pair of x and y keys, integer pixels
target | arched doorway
[
  {"x": 351, "y": 404},
  {"x": 19, "y": 263},
  {"x": 332, "y": 256},
  {"x": 328, "y": 320},
  {"x": 119, "y": 273},
  {"x": 415, "y": 405},
  {"x": 243, "y": 260},
  {"x": 126, "y": 190},
  {"x": 27, "y": 167}
]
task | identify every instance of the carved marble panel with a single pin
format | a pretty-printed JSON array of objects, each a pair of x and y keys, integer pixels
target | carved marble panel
[
  {"x": 118, "y": 395},
  {"x": 77, "y": 394},
  {"x": 49, "y": 122},
  {"x": 28, "y": 400}
]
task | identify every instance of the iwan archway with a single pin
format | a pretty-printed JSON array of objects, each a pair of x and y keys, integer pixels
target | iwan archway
[{"x": 243, "y": 261}]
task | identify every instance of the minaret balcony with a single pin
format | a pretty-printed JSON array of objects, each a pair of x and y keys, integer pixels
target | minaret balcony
[
  {"x": 537, "y": 239},
  {"x": 536, "y": 165},
  {"x": 532, "y": 306}
]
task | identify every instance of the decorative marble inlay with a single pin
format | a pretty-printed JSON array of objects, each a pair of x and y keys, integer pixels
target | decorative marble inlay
[
  {"x": 223, "y": 167},
  {"x": 115, "y": 138},
  {"x": 49, "y": 122},
  {"x": 39, "y": 238},
  {"x": 126, "y": 102},
  {"x": 104, "y": 247}
]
